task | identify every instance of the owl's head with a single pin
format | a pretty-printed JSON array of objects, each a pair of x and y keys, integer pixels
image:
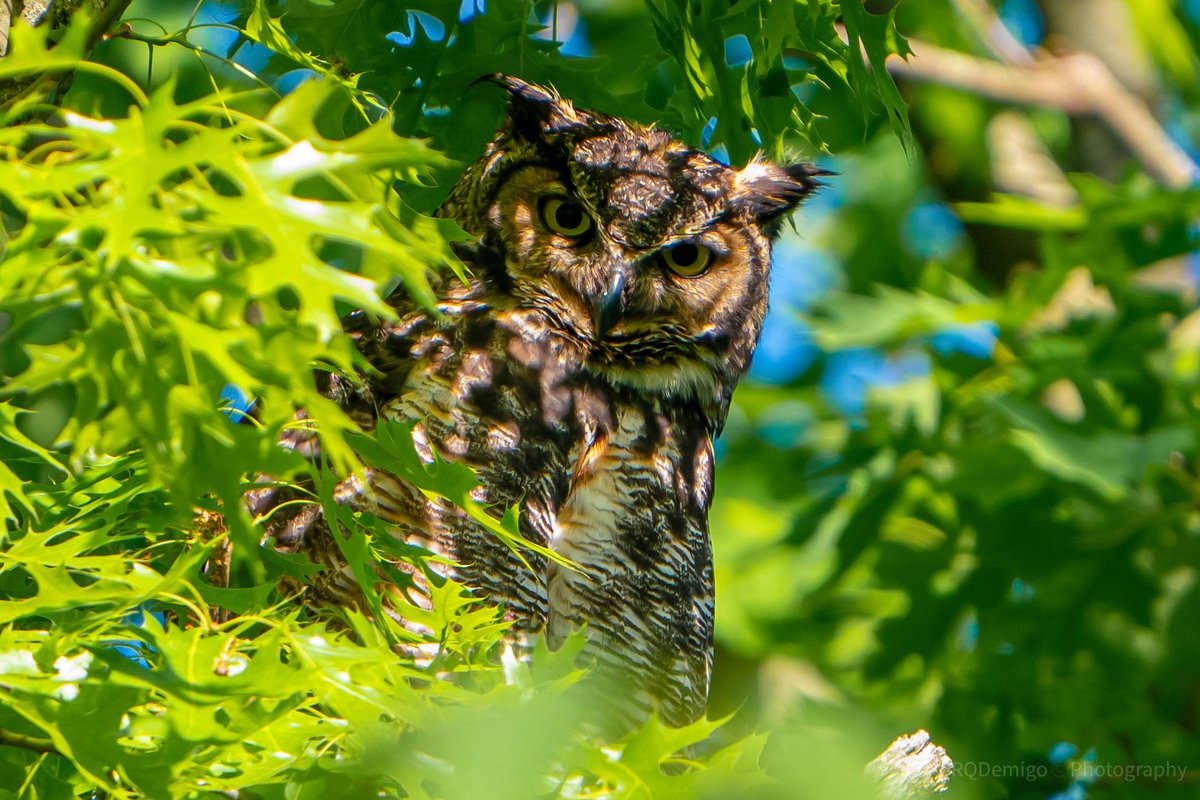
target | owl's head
[{"x": 650, "y": 254}]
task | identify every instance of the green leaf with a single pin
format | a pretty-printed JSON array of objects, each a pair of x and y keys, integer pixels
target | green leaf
[
  {"x": 877, "y": 35},
  {"x": 1109, "y": 463},
  {"x": 892, "y": 316},
  {"x": 390, "y": 448}
]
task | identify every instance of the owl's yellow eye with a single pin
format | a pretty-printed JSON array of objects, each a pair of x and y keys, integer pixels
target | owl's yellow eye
[
  {"x": 687, "y": 259},
  {"x": 565, "y": 218}
]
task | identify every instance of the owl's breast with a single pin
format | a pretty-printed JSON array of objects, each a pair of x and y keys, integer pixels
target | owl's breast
[
  {"x": 493, "y": 388},
  {"x": 635, "y": 520},
  {"x": 613, "y": 477}
]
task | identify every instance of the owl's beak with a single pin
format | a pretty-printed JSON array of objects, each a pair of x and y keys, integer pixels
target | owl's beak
[{"x": 611, "y": 304}]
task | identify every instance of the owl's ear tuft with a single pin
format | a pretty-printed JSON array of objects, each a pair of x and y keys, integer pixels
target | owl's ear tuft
[
  {"x": 768, "y": 191},
  {"x": 533, "y": 111}
]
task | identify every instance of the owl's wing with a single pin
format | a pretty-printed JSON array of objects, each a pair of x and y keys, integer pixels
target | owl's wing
[
  {"x": 387, "y": 346},
  {"x": 637, "y": 515},
  {"x": 290, "y": 516},
  {"x": 451, "y": 375}
]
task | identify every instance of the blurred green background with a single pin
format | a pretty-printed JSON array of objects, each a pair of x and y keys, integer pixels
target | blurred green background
[{"x": 958, "y": 490}]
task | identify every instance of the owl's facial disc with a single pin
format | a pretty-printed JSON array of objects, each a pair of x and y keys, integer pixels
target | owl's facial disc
[
  {"x": 659, "y": 311},
  {"x": 649, "y": 255}
]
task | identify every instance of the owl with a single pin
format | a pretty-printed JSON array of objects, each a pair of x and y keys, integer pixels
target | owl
[{"x": 618, "y": 284}]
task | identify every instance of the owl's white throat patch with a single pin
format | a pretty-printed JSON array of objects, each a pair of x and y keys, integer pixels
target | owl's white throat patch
[{"x": 686, "y": 379}]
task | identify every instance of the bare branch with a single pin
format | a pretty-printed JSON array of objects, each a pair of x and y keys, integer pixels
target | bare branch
[
  {"x": 995, "y": 33},
  {"x": 1022, "y": 165},
  {"x": 1079, "y": 84},
  {"x": 912, "y": 767}
]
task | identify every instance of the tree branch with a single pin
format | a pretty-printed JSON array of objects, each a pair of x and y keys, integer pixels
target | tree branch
[
  {"x": 50, "y": 12},
  {"x": 1078, "y": 84},
  {"x": 5, "y": 24},
  {"x": 10, "y": 739},
  {"x": 912, "y": 767},
  {"x": 994, "y": 32}
]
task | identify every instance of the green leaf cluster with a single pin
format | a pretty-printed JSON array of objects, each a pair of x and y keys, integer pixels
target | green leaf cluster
[
  {"x": 175, "y": 225},
  {"x": 999, "y": 548},
  {"x": 1004, "y": 547}
]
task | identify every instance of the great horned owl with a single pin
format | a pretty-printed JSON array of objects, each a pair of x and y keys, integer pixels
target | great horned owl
[{"x": 618, "y": 285}]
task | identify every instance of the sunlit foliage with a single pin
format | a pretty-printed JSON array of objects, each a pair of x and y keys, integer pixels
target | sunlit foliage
[{"x": 960, "y": 493}]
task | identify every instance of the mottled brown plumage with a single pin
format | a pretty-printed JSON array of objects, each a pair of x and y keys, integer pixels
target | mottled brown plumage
[{"x": 619, "y": 283}]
